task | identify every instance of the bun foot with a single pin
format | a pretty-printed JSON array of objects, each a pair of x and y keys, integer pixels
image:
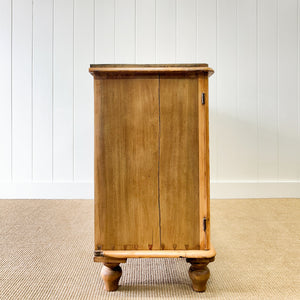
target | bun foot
[
  {"x": 111, "y": 274},
  {"x": 199, "y": 272}
]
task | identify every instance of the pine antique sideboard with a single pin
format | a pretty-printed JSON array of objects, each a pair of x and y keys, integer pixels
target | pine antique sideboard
[{"x": 152, "y": 167}]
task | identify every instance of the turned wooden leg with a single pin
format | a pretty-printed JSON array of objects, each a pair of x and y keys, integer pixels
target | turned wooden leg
[
  {"x": 199, "y": 272},
  {"x": 111, "y": 274}
]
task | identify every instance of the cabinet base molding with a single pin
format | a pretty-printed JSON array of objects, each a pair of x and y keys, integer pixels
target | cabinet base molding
[
  {"x": 101, "y": 255},
  {"x": 112, "y": 272}
]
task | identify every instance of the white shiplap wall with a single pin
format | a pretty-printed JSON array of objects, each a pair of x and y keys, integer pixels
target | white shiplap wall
[{"x": 46, "y": 92}]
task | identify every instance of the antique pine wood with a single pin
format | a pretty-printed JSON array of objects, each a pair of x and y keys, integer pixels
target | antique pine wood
[
  {"x": 204, "y": 179},
  {"x": 122, "y": 254},
  {"x": 178, "y": 174},
  {"x": 126, "y": 158},
  {"x": 152, "y": 166}
]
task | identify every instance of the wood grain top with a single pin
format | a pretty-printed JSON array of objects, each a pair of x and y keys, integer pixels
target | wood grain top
[{"x": 149, "y": 68}]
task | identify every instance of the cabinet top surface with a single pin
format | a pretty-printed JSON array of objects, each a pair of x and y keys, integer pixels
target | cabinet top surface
[{"x": 149, "y": 68}]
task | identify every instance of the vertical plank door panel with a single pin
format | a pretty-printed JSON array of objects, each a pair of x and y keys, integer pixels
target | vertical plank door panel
[
  {"x": 126, "y": 163},
  {"x": 179, "y": 177}
]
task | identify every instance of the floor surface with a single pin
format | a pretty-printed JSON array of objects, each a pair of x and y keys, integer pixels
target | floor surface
[{"x": 46, "y": 252}]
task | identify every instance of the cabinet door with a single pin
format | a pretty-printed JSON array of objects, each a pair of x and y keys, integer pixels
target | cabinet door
[
  {"x": 126, "y": 163},
  {"x": 179, "y": 163}
]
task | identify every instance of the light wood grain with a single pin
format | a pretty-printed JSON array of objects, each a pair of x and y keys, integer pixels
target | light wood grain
[
  {"x": 204, "y": 177},
  {"x": 179, "y": 176},
  {"x": 151, "y": 69},
  {"x": 132, "y": 67},
  {"x": 126, "y": 163},
  {"x": 97, "y": 186},
  {"x": 107, "y": 259},
  {"x": 151, "y": 161},
  {"x": 111, "y": 274},
  {"x": 113, "y": 254},
  {"x": 199, "y": 273}
]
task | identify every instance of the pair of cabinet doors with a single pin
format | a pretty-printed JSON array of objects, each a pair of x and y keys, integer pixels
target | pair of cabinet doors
[{"x": 151, "y": 162}]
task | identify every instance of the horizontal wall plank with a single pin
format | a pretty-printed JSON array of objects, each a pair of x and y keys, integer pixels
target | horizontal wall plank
[
  {"x": 85, "y": 190},
  {"x": 47, "y": 190},
  {"x": 249, "y": 189}
]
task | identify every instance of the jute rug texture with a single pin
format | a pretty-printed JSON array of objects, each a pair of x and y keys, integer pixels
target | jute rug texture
[{"x": 46, "y": 252}]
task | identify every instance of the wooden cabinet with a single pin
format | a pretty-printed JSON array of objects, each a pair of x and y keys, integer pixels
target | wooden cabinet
[{"x": 152, "y": 166}]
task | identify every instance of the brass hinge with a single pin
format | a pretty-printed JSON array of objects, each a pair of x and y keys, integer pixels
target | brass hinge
[
  {"x": 203, "y": 98},
  {"x": 204, "y": 224},
  {"x": 98, "y": 253}
]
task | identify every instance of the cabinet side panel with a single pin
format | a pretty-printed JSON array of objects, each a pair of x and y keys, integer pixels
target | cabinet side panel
[
  {"x": 97, "y": 129},
  {"x": 179, "y": 163},
  {"x": 204, "y": 174},
  {"x": 126, "y": 163}
]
